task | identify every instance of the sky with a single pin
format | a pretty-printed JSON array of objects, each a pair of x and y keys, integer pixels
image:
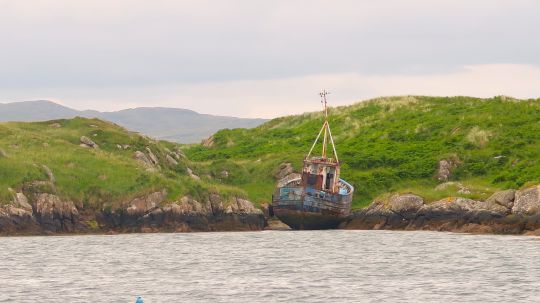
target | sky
[{"x": 251, "y": 58}]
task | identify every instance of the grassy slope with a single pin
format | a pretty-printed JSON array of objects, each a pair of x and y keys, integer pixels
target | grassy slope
[
  {"x": 95, "y": 178},
  {"x": 392, "y": 144}
]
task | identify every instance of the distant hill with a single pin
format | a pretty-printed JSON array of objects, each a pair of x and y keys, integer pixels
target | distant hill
[{"x": 173, "y": 124}]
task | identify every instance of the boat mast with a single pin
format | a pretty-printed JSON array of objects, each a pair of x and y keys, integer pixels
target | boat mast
[
  {"x": 325, "y": 130},
  {"x": 325, "y": 126}
]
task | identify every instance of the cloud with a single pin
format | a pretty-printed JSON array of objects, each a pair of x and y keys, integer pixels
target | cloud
[
  {"x": 243, "y": 56},
  {"x": 276, "y": 97}
]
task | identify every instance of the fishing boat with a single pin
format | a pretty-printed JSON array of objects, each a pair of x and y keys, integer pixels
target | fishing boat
[{"x": 318, "y": 198}]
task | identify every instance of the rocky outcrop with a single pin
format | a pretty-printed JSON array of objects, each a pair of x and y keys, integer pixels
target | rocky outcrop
[
  {"x": 192, "y": 175},
  {"x": 152, "y": 157},
  {"x": 503, "y": 198},
  {"x": 527, "y": 201},
  {"x": 446, "y": 166},
  {"x": 17, "y": 217},
  {"x": 505, "y": 212},
  {"x": 284, "y": 170},
  {"x": 142, "y": 205},
  {"x": 55, "y": 214},
  {"x": 171, "y": 161},
  {"x": 144, "y": 161},
  {"x": 87, "y": 142},
  {"x": 150, "y": 214},
  {"x": 46, "y": 213}
]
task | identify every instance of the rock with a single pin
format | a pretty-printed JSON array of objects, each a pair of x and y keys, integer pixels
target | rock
[
  {"x": 49, "y": 173},
  {"x": 17, "y": 217},
  {"x": 209, "y": 142},
  {"x": 142, "y": 205},
  {"x": 119, "y": 146},
  {"x": 88, "y": 142},
  {"x": 171, "y": 161},
  {"x": 242, "y": 206},
  {"x": 503, "y": 198},
  {"x": 144, "y": 160},
  {"x": 224, "y": 174},
  {"x": 276, "y": 224},
  {"x": 458, "y": 204},
  {"x": 186, "y": 206},
  {"x": 192, "y": 175},
  {"x": 405, "y": 203},
  {"x": 177, "y": 155},
  {"x": 527, "y": 201},
  {"x": 443, "y": 173},
  {"x": 20, "y": 200},
  {"x": 55, "y": 125},
  {"x": 445, "y": 167},
  {"x": 284, "y": 170},
  {"x": 152, "y": 157},
  {"x": 216, "y": 204},
  {"x": 245, "y": 206},
  {"x": 54, "y": 214}
]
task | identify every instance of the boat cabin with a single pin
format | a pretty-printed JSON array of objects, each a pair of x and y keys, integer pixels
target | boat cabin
[{"x": 321, "y": 174}]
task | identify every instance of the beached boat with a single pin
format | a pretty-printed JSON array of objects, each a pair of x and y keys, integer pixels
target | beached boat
[{"x": 318, "y": 199}]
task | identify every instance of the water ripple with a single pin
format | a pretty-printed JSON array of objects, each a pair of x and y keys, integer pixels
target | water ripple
[{"x": 310, "y": 266}]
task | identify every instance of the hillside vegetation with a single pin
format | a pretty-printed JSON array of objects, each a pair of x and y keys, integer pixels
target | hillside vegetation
[
  {"x": 49, "y": 155},
  {"x": 391, "y": 145}
]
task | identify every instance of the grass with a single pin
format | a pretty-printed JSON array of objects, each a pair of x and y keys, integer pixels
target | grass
[
  {"x": 385, "y": 145},
  {"x": 95, "y": 178},
  {"x": 394, "y": 144}
]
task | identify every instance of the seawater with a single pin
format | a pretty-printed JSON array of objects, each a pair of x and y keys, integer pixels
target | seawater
[{"x": 271, "y": 266}]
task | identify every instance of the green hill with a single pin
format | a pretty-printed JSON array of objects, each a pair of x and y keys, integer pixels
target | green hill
[
  {"x": 386, "y": 145},
  {"x": 34, "y": 154},
  {"x": 391, "y": 144}
]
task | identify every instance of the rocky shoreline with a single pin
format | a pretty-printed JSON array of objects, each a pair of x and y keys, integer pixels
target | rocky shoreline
[
  {"x": 48, "y": 214},
  {"x": 507, "y": 212}
]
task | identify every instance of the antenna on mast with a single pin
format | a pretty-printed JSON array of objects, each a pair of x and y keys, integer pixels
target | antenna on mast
[
  {"x": 325, "y": 131},
  {"x": 323, "y": 94}
]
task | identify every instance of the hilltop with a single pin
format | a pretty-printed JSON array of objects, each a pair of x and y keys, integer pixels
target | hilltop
[
  {"x": 175, "y": 124},
  {"x": 91, "y": 175},
  {"x": 432, "y": 146}
]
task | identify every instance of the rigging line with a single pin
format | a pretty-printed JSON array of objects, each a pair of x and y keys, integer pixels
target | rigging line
[
  {"x": 316, "y": 140},
  {"x": 333, "y": 145}
]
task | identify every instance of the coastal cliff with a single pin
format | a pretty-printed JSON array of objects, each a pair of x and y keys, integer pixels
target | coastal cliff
[{"x": 45, "y": 213}]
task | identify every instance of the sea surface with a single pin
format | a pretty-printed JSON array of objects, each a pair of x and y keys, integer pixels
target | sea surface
[{"x": 271, "y": 266}]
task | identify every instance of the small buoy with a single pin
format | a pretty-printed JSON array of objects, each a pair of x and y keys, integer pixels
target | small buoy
[{"x": 139, "y": 300}]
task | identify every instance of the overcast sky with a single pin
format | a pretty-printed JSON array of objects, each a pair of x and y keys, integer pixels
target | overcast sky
[{"x": 264, "y": 58}]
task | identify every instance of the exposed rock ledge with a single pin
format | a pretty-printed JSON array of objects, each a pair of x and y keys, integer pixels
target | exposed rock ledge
[
  {"x": 506, "y": 212},
  {"x": 46, "y": 213}
]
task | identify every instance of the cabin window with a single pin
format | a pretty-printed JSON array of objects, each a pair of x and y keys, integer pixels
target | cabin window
[{"x": 329, "y": 181}]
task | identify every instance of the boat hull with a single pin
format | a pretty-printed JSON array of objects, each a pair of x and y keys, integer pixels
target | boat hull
[
  {"x": 302, "y": 220},
  {"x": 305, "y": 208}
]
